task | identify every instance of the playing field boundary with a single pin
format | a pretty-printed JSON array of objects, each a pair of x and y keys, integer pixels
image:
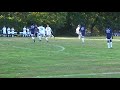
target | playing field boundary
[
  {"x": 87, "y": 38},
  {"x": 74, "y": 75}
]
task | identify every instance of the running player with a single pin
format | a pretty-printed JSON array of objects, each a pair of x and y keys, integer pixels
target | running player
[
  {"x": 78, "y": 31},
  {"x": 32, "y": 29},
  {"x": 48, "y": 32},
  {"x": 108, "y": 32},
  {"x": 41, "y": 32},
  {"x": 82, "y": 30}
]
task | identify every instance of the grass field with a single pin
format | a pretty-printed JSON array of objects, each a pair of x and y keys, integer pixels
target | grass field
[{"x": 62, "y": 57}]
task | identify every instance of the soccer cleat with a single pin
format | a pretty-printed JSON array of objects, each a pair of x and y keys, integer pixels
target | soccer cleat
[{"x": 34, "y": 40}]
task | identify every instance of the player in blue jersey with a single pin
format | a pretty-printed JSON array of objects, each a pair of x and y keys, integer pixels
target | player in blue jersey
[
  {"x": 82, "y": 30},
  {"x": 32, "y": 29},
  {"x": 108, "y": 32}
]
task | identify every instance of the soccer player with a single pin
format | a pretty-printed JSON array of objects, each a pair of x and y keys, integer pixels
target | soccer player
[
  {"x": 108, "y": 32},
  {"x": 82, "y": 30},
  {"x": 8, "y": 31},
  {"x": 41, "y": 32},
  {"x": 28, "y": 32},
  {"x": 32, "y": 29},
  {"x": 24, "y": 31},
  {"x": 12, "y": 31},
  {"x": 78, "y": 31},
  {"x": 36, "y": 30},
  {"x": 4, "y": 31},
  {"x": 48, "y": 32}
]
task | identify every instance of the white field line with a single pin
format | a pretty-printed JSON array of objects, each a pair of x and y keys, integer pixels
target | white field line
[
  {"x": 73, "y": 75},
  {"x": 61, "y": 48},
  {"x": 22, "y": 47},
  {"x": 104, "y": 39},
  {"x": 87, "y": 39}
]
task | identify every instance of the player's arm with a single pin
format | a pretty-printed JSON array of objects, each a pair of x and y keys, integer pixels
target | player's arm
[{"x": 51, "y": 31}]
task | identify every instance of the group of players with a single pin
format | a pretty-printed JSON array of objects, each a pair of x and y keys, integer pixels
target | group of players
[
  {"x": 40, "y": 32},
  {"x": 32, "y": 31},
  {"x": 47, "y": 32},
  {"x": 80, "y": 30},
  {"x": 8, "y": 31}
]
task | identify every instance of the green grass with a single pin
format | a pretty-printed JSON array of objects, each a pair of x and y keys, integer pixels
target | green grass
[{"x": 59, "y": 58}]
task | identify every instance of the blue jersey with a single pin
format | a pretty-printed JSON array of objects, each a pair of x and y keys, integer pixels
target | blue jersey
[
  {"x": 32, "y": 28},
  {"x": 82, "y": 30},
  {"x": 108, "y": 33}
]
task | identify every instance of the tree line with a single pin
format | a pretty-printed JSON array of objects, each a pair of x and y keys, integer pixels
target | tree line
[{"x": 63, "y": 23}]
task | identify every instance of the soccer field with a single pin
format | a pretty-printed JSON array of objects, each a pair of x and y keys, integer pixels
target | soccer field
[{"x": 62, "y": 57}]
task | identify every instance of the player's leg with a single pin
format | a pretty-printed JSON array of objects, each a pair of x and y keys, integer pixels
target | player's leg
[
  {"x": 8, "y": 34},
  {"x": 83, "y": 40},
  {"x": 111, "y": 43},
  {"x": 46, "y": 37},
  {"x": 79, "y": 36},
  {"x": 108, "y": 43},
  {"x": 23, "y": 34},
  {"x": 52, "y": 35},
  {"x": 33, "y": 38},
  {"x": 40, "y": 37},
  {"x": 13, "y": 34}
]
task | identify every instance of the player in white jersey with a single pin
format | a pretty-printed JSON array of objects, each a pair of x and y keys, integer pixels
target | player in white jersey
[
  {"x": 8, "y": 31},
  {"x": 12, "y": 31},
  {"x": 41, "y": 32},
  {"x": 4, "y": 31},
  {"x": 24, "y": 31},
  {"x": 48, "y": 32},
  {"x": 28, "y": 32},
  {"x": 78, "y": 31}
]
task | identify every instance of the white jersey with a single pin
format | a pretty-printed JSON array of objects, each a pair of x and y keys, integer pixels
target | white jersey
[
  {"x": 48, "y": 31},
  {"x": 12, "y": 30},
  {"x": 78, "y": 30},
  {"x": 8, "y": 30},
  {"x": 4, "y": 30},
  {"x": 41, "y": 30},
  {"x": 24, "y": 31},
  {"x": 28, "y": 31}
]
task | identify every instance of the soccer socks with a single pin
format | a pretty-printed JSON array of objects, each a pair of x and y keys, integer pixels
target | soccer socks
[
  {"x": 79, "y": 37},
  {"x": 53, "y": 36},
  {"x": 40, "y": 38},
  {"x": 33, "y": 39},
  {"x": 108, "y": 45},
  {"x": 46, "y": 39},
  {"x": 83, "y": 40}
]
